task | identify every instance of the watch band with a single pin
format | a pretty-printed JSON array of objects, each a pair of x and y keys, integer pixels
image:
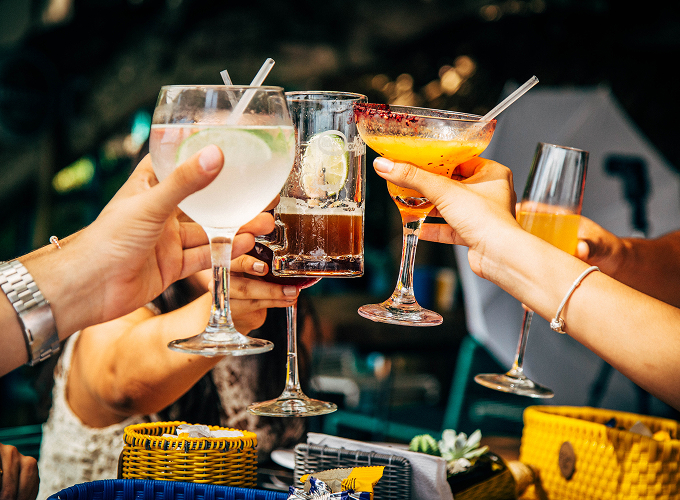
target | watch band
[{"x": 33, "y": 311}]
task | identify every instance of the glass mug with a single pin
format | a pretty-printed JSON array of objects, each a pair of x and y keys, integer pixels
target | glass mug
[{"x": 320, "y": 217}]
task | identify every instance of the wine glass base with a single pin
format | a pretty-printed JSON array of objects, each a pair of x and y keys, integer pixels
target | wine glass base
[
  {"x": 292, "y": 407},
  {"x": 521, "y": 386},
  {"x": 211, "y": 345},
  {"x": 394, "y": 316}
]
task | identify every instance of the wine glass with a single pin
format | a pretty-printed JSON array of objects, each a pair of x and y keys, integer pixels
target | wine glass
[
  {"x": 550, "y": 209},
  {"x": 434, "y": 140},
  {"x": 253, "y": 128},
  {"x": 292, "y": 402},
  {"x": 319, "y": 219}
]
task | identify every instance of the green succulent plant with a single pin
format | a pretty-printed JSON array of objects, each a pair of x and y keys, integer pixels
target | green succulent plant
[
  {"x": 424, "y": 443},
  {"x": 453, "y": 446}
]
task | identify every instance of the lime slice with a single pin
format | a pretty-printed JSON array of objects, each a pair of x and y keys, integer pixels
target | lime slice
[
  {"x": 324, "y": 165},
  {"x": 240, "y": 147}
]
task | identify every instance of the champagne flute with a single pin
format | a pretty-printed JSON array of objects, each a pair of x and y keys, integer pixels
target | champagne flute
[
  {"x": 253, "y": 128},
  {"x": 550, "y": 209},
  {"x": 434, "y": 140}
]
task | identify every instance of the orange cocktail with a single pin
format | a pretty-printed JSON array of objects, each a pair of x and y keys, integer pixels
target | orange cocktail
[
  {"x": 435, "y": 155},
  {"x": 437, "y": 141}
]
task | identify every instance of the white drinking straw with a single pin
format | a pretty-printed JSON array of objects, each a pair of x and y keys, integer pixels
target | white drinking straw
[
  {"x": 248, "y": 94},
  {"x": 510, "y": 99},
  {"x": 225, "y": 77}
]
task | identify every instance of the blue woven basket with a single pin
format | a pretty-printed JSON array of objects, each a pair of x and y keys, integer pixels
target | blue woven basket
[{"x": 146, "y": 489}]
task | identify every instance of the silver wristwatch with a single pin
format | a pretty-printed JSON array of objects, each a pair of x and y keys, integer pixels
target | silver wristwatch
[{"x": 33, "y": 310}]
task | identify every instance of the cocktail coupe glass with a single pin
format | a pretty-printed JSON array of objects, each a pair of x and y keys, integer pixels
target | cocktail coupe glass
[
  {"x": 319, "y": 221},
  {"x": 434, "y": 140},
  {"x": 550, "y": 209},
  {"x": 253, "y": 128}
]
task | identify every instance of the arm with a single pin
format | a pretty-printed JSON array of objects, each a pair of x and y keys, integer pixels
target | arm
[
  {"x": 635, "y": 333},
  {"x": 651, "y": 266},
  {"x": 133, "y": 250},
  {"x": 124, "y": 367}
]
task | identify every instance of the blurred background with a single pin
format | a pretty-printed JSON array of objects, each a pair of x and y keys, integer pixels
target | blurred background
[{"x": 78, "y": 83}]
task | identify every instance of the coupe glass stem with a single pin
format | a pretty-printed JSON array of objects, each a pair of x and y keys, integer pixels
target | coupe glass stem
[
  {"x": 517, "y": 369},
  {"x": 403, "y": 293},
  {"x": 220, "y": 252},
  {"x": 292, "y": 388}
]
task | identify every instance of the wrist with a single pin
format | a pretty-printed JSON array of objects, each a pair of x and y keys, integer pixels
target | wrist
[
  {"x": 33, "y": 312},
  {"x": 65, "y": 279}
]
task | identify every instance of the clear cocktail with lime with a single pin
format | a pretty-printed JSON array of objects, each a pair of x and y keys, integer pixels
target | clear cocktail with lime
[
  {"x": 437, "y": 141},
  {"x": 258, "y": 147}
]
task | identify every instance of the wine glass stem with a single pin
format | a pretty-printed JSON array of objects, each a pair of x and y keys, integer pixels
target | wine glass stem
[
  {"x": 403, "y": 293},
  {"x": 220, "y": 251},
  {"x": 292, "y": 378},
  {"x": 517, "y": 369}
]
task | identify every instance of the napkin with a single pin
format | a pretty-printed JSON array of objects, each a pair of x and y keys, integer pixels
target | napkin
[{"x": 428, "y": 473}]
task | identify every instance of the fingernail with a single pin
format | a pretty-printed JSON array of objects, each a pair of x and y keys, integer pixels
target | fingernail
[
  {"x": 210, "y": 158},
  {"x": 290, "y": 290},
  {"x": 383, "y": 165},
  {"x": 258, "y": 267}
]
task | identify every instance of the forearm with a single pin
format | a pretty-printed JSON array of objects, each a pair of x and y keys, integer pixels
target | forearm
[
  {"x": 66, "y": 281},
  {"x": 137, "y": 373},
  {"x": 630, "y": 330},
  {"x": 652, "y": 267}
]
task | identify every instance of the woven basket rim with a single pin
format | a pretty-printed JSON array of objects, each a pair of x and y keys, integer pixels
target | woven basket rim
[
  {"x": 136, "y": 432},
  {"x": 566, "y": 415}
]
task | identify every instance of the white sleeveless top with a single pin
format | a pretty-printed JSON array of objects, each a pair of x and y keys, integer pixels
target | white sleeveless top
[{"x": 72, "y": 452}]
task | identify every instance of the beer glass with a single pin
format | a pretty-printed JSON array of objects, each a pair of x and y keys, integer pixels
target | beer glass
[{"x": 319, "y": 220}]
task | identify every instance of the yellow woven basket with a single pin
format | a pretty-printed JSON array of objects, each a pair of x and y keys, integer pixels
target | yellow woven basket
[
  {"x": 230, "y": 461},
  {"x": 579, "y": 458}
]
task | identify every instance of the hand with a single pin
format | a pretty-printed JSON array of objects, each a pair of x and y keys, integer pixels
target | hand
[
  {"x": 138, "y": 246},
  {"x": 249, "y": 297},
  {"x": 475, "y": 207},
  {"x": 599, "y": 247},
  {"x": 18, "y": 475}
]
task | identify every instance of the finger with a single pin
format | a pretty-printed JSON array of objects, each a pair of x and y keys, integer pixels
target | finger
[
  {"x": 439, "y": 233},
  {"x": 582, "y": 250},
  {"x": 408, "y": 175},
  {"x": 9, "y": 463},
  {"x": 247, "y": 288},
  {"x": 250, "y": 321},
  {"x": 249, "y": 264},
  {"x": 263, "y": 223},
  {"x": 192, "y": 235},
  {"x": 273, "y": 204},
  {"x": 191, "y": 176},
  {"x": 195, "y": 260},
  {"x": 28, "y": 479},
  {"x": 242, "y": 243}
]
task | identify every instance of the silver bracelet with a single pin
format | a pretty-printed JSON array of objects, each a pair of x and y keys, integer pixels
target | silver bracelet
[
  {"x": 33, "y": 311},
  {"x": 557, "y": 323}
]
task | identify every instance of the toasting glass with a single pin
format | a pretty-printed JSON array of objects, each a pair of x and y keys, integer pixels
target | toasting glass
[
  {"x": 550, "y": 209},
  {"x": 319, "y": 220},
  {"x": 434, "y": 140},
  {"x": 253, "y": 128}
]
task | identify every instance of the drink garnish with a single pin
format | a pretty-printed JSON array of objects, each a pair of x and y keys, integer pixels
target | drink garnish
[
  {"x": 324, "y": 165},
  {"x": 240, "y": 147}
]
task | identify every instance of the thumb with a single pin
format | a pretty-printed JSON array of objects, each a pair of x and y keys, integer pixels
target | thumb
[{"x": 191, "y": 176}]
